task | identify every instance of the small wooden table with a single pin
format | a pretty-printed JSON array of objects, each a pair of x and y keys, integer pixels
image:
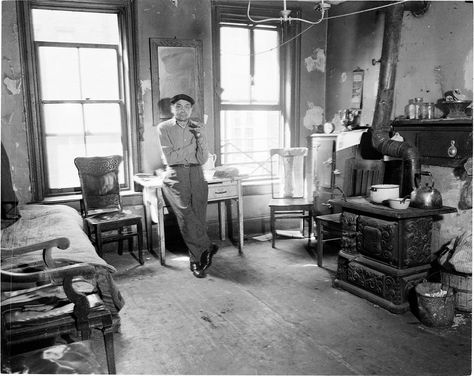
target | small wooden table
[{"x": 222, "y": 191}]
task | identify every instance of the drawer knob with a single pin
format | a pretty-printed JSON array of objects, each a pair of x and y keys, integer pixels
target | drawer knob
[
  {"x": 452, "y": 150},
  {"x": 220, "y": 192}
]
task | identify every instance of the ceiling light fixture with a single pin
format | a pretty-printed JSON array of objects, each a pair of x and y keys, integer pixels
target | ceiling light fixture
[{"x": 322, "y": 7}]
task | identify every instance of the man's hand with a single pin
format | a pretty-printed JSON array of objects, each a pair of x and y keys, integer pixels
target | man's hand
[{"x": 196, "y": 128}]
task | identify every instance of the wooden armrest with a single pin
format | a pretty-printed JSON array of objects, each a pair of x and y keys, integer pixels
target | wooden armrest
[
  {"x": 61, "y": 243},
  {"x": 62, "y": 272},
  {"x": 47, "y": 247}
]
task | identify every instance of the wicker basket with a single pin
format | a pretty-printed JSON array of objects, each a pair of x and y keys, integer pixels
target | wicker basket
[{"x": 462, "y": 285}]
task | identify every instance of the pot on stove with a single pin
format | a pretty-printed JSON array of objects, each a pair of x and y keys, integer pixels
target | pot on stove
[{"x": 382, "y": 192}]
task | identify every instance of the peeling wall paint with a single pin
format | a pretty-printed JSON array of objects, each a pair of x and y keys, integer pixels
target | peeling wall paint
[
  {"x": 317, "y": 61},
  {"x": 314, "y": 116},
  {"x": 145, "y": 86},
  {"x": 12, "y": 85}
]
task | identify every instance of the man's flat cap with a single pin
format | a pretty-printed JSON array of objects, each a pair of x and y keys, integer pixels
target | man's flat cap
[{"x": 183, "y": 97}]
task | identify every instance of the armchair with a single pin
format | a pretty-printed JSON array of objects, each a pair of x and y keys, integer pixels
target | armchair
[{"x": 41, "y": 302}]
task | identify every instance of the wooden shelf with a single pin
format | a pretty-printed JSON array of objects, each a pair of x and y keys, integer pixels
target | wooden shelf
[
  {"x": 433, "y": 137},
  {"x": 433, "y": 122}
]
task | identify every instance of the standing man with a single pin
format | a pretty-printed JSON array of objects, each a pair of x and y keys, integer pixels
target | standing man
[{"x": 184, "y": 151}]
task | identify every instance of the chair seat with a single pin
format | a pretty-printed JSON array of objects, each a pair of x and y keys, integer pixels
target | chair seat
[
  {"x": 290, "y": 203},
  {"x": 290, "y": 208},
  {"x": 330, "y": 218},
  {"x": 99, "y": 224},
  {"x": 119, "y": 218}
]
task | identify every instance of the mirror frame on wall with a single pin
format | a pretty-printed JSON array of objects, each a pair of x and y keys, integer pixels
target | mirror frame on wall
[{"x": 184, "y": 56}]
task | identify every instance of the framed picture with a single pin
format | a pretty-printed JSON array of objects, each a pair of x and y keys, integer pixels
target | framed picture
[{"x": 176, "y": 68}]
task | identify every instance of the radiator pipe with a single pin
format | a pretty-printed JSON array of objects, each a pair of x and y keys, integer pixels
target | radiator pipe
[{"x": 384, "y": 103}]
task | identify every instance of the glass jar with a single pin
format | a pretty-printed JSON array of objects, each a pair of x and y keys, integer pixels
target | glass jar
[
  {"x": 425, "y": 110},
  {"x": 410, "y": 109},
  {"x": 431, "y": 110},
  {"x": 418, "y": 108}
]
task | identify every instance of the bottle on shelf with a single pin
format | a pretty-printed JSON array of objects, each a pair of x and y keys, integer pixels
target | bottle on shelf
[
  {"x": 410, "y": 109},
  {"x": 418, "y": 108}
]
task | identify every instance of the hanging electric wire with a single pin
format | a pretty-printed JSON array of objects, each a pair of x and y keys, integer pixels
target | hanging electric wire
[{"x": 309, "y": 27}]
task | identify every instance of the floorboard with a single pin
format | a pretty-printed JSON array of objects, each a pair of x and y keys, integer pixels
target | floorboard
[{"x": 270, "y": 311}]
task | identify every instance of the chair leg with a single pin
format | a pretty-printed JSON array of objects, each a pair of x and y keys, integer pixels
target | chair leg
[
  {"x": 320, "y": 242},
  {"x": 310, "y": 226},
  {"x": 98, "y": 240},
  {"x": 120, "y": 243},
  {"x": 109, "y": 349},
  {"x": 272, "y": 226},
  {"x": 130, "y": 245},
  {"x": 140, "y": 243}
]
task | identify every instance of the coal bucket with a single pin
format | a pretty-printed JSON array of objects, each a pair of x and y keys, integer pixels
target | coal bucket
[{"x": 435, "y": 304}]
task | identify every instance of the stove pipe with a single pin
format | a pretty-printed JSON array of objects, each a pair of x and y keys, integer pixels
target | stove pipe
[{"x": 383, "y": 106}]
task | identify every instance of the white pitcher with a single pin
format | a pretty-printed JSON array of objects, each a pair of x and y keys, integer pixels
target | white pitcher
[
  {"x": 209, "y": 167},
  {"x": 211, "y": 162}
]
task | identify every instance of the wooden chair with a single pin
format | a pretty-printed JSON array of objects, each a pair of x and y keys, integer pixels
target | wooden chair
[
  {"x": 359, "y": 175},
  {"x": 105, "y": 220},
  {"x": 51, "y": 299},
  {"x": 290, "y": 201}
]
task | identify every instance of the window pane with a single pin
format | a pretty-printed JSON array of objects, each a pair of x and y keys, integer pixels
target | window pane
[
  {"x": 59, "y": 73},
  {"x": 99, "y": 74},
  {"x": 103, "y": 118},
  {"x": 103, "y": 145},
  {"x": 235, "y": 64},
  {"x": 60, "y": 154},
  {"x": 267, "y": 77},
  {"x": 63, "y": 119},
  {"x": 246, "y": 140},
  {"x": 66, "y": 26}
]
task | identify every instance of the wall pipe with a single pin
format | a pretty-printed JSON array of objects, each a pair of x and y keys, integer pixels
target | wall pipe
[{"x": 384, "y": 103}]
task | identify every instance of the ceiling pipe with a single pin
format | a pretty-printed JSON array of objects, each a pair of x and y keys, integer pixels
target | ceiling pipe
[{"x": 384, "y": 103}]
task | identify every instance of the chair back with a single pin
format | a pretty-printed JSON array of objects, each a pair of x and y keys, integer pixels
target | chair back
[
  {"x": 288, "y": 172},
  {"x": 361, "y": 174},
  {"x": 99, "y": 183}
]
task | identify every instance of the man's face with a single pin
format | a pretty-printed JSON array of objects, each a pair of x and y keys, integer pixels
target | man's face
[{"x": 182, "y": 110}]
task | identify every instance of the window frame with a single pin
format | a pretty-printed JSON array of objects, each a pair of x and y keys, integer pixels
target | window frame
[
  {"x": 289, "y": 68},
  {"x": 32, "y": 102}
]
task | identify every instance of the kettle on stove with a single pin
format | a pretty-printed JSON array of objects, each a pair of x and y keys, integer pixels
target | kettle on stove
[{"x": 426, "y": 197}]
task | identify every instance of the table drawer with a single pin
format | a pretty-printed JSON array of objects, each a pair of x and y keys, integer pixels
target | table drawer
[{"x": 222, "y": 191}]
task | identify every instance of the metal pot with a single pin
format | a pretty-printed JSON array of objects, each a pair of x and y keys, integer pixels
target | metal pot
[
  {"x": 382, "y": 192},
  {"x": 426, "y": 197}
]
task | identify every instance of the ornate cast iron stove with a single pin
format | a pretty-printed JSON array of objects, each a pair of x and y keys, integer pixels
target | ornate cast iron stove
[{"x": 385, "y": 252}]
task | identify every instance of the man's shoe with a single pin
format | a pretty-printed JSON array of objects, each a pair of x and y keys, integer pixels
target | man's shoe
[
  {"x": 198, "y": 272},
  {"x": 206, "y": 257}
]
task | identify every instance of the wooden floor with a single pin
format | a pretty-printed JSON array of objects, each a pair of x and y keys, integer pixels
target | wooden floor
[{"x": 269, "y": 311}]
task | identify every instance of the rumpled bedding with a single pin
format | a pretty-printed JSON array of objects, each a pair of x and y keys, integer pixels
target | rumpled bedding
[{"x": 39, "y": 223}]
